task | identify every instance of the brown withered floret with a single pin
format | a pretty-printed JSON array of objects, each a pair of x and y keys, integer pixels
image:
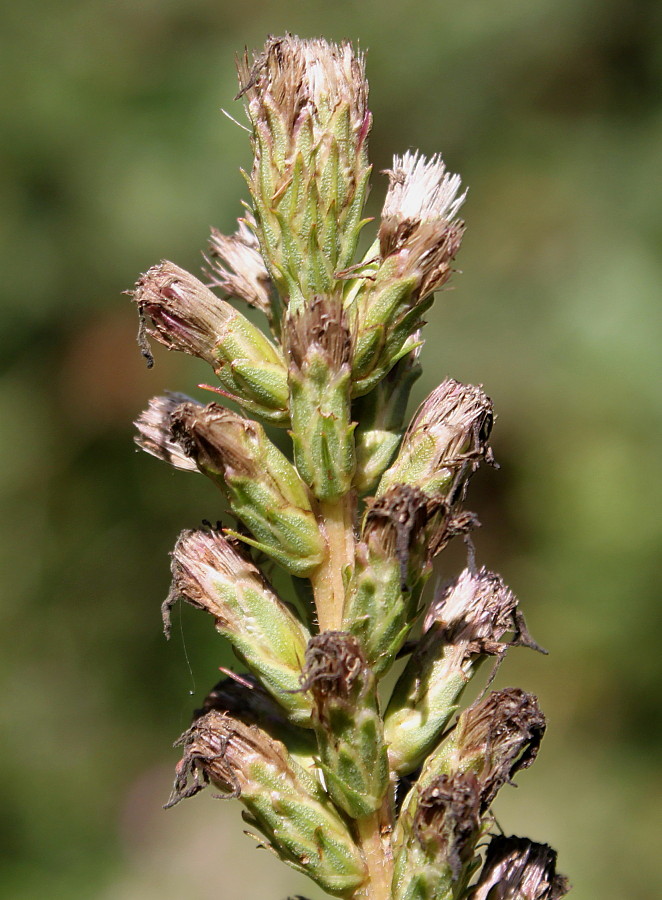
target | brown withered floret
[
  {"x": 184, "y": 314},
  {"x": 199, "y": 555},
  {"x": 462, "y": 415},
  {"x": 479, "y": 604},
  {"x": 320, "y": 327},
  {"x": 520, "y": 869},
  {"x": 447, "y": 818},
  {"x": 218, "y": 750},
  {"x": 244, "y": 698},
  {"x": 298, "y": 74},
  {"x": 334, "y": 661},
  {"x": 477, "y": 609},
  {"x": 396, "y": 522},
  {"x": 443, "y": 446},
  {"x": 501, "y": 734},
  {"x": 155, "y": 433}
]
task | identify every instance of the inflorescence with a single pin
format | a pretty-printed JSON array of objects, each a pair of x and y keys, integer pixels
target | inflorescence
[{"x": 371, "y": 794}]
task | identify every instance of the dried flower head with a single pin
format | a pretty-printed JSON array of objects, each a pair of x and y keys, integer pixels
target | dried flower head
[
  {"x": 282, "y": 800},
  {"x": 318, "y": 347},
  {"x": 447, "y": 819},
  {"x": 214, "y": 438},
  {"x": 217, "y": 575},
  {"x": 224, "y": 443},
  {"x": 307, "y": 103},
  {"x": 498, "y": 736},
  {"x": 305, "y": 80},
  {"x": 185, "y": 315},
  {"x": 237, "y": 267},
  {"x": 335, "y": 664},
  {"x": 519, "y": 869},
  {"x": 319, "y": 329},
  {"x": 155, "y": 432},
  {"x": 445, "y": 441},
  {"x": 474, "y": 610},
  {"x": 347, "y": 720},
  {"x": 244, "y": 698},
  {"x": 468, "y": 621},
  {"x": 264, "y": 489},
  {"x": 403, "y": 524}
]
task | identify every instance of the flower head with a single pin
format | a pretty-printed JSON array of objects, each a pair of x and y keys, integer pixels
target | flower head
[
  {"x": 447, "y": 818},
  {"x": 185, "y": 315},
  {"x": 445, "y": 442},
  {"x": 155, "y": 432},
  {"x": 307, "y": 103},
  {"x": 282, "y": 800},
  {"x": 421, "y": 192},
  {"x": 306, "y": 80},
  {"x": 498, "y": 736},
  {"x": 419, "y": 223},
  {"x": 238, "y": 269},
  {"x": 519, "y": 869},
  {"x": 474, "y": 610}
]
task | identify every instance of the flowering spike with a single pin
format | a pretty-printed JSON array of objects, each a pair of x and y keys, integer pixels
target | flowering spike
[{"x": 318, "y": 750}]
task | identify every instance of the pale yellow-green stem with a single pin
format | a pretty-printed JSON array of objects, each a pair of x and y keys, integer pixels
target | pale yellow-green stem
[
  {"x": 374, "y": 840},
  {"x": 337, "y": 523}
]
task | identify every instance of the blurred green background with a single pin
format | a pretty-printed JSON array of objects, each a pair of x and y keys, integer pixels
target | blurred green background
[{"x": 115, "y": 156}]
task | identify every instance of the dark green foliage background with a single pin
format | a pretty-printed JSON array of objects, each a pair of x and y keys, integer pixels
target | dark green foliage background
[{"x": 115, "y": 156}]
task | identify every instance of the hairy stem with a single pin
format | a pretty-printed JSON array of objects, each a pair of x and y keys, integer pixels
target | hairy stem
[
  {"x": 377, "y": 854},
  {"x": 337, "y": 521}
]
